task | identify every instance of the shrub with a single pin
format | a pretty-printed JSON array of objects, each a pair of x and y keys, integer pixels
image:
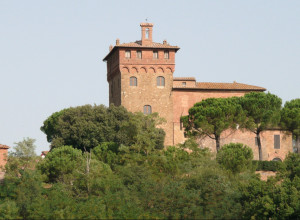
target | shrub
[
  {"x": 267, "y": 165},
  {"x": 236, "y": 157}
]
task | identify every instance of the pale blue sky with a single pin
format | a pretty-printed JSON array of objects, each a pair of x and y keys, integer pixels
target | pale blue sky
[{"x": 51, "y": 51}]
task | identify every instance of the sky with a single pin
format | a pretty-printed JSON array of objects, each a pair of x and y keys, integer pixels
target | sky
[{"x": 51, "y": 51}]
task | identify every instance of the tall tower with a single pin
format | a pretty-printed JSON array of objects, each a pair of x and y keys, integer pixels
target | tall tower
[{"x": 140, "y": 77}]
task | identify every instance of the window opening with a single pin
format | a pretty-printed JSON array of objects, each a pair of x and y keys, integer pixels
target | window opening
[
  {"x": 155, "y": 55},
  {"x": 133, "y": 81},
  {"x": 160, "y": 81},
  {"x": 276, "y": 141},
  {"x": 147, "y": 33},
  {"x": 147, "y": 109},
  {"x": 139, "y": 54},
  {"x": 127, "y": 54},
  {"x": 166, "y": 54}
]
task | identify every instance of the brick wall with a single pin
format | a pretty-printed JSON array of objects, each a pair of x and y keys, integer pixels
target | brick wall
[
  {"x": 3, "y": 157},
  {"x": 248, "y": 138}
]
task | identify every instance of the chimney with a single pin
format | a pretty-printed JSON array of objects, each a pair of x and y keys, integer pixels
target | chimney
[
  {"x": 165, "y": 42},
  {"x": 146, "y": 33},
  {"x": 118, "y": 41},
  {"x": 110, "y": 47}
]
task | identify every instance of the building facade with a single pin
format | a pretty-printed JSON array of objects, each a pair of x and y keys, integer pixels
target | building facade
[
  {"x": 3, "y": 156},
  {"x": 140, "y": 77}
]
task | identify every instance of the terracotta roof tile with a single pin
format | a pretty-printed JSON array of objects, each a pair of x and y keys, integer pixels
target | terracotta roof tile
[
  {"x": 184, "y": 79},
  {"x": 223, "y": 86},
  {"x": 4, "y": 146},
  {"x": 153, "y": 45}
]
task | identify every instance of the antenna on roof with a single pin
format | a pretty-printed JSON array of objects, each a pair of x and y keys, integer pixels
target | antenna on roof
[{"x": 146, "y": 20}]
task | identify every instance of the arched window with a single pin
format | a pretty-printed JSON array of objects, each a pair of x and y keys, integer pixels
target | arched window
[
  {"x": 133, "y": 81},
  {"x": 277, "y": 159},
  {"x": 160, "y": 81},
  {"x": 147, "y": 109}
]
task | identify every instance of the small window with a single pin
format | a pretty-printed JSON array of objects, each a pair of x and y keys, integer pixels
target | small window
[
  {"x": 139, "y": 54},
  {"x": 133, "y": 81},
  {"x": 255, "y": 141},
  {"x": 147, "y": 109},
  {"x": 184, "y": 84},
  {"x": 166, "y": 54},
  {"x": 127, "y": 54},
  {"x": 160, "y": 81},
  {"x": 155, "y": 54},
  {"x": 147, "y": 33},
  {"x": 276, "y": 141}
]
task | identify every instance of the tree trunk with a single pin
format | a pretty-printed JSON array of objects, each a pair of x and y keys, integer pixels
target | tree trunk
[
  {"x": 298, "y": 143},
  {"x": 217, "y": 142},
  {"x": 259, "y": 146}
]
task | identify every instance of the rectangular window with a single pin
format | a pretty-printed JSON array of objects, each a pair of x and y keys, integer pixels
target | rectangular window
[
  {"x": 127, "y": 54},
  {"x": 147, "y": 109},
  {"x": 166, "y": 54},
  {"x": 255, "y": 141},
  {"x": 139, "y": 54},
  {"x": 133, "y": 81},
  {"x": 184, "y": 84},
  {"x": 155, "y": 55},
  {"x": 276, "y": 141}
]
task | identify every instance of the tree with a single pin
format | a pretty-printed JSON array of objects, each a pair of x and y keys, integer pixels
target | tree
[
  {"x": 213, "y": 116},
  {"x": 24, "y": 148},
  {"x": 290, "y": 119},
  {"x": 61, "y": 164},
  {"x": 262, "y": 111},
  {"x": 235, "y": 157}
]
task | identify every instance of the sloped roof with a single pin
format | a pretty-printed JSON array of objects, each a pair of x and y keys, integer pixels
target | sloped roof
[
  {"x": 184, "y": 79},
  {"x": 4, "y": 146},
  {"x": 138, "y": 44},
  {"x": 222, "y": 86}
]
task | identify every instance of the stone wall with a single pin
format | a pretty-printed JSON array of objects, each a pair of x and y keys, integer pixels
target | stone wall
[
  {"x": 183, "y": 100},
  {"x": 3, "y": 156},
  {"x": 248, "y": 138}
]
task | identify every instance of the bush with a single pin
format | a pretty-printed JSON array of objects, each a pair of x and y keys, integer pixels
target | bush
[
  {"x": 236, "y": 157},
  {"x": 267, "y": 165}
]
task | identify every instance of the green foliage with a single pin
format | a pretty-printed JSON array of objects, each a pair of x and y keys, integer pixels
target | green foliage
[
  {"x": 121, "y": 171},
  {"x": 290, "y": 119},
  {"x": 235, "y": 157},
  {"x": 24, "y": 148},
  {"x": 61, "y": 163},
  {"x": 86, "y": 127},
  {"x": 212, "y": 116},
  {"x": 9, "y": 210},
  {"x": 290, "y": 116},
  {"x": 292, "y": 163},
  {"x": 262, "y": 110},
  {"x": 267, "y": 165}
]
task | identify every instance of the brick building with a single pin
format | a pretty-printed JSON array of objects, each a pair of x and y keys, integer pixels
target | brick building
[
  {"x": 3, "y": 156},
  {"x": 140, "y": 77}
]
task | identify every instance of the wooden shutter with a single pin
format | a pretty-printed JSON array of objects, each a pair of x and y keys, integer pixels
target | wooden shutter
[{"x": 277, "y": 141}]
